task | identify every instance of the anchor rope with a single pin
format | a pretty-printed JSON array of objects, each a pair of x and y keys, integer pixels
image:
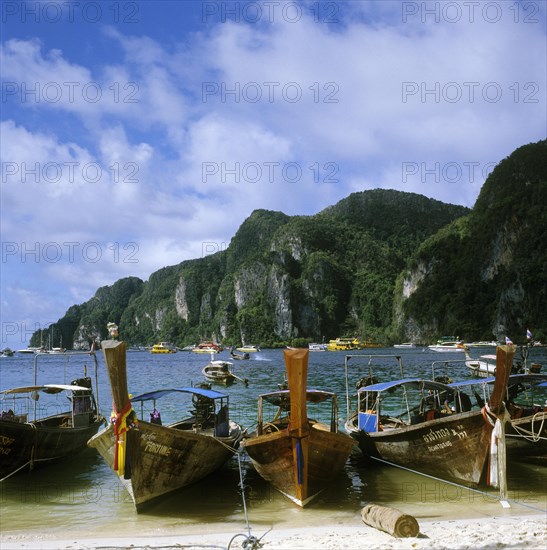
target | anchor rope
[{"x": 484, "y": 493}]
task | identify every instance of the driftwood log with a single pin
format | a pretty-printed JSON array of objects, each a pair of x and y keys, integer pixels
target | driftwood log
[{"x": 390, "y": 520}]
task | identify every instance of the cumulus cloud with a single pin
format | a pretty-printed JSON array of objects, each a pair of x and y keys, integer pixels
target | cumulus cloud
[{"x": 193, "y": 131}]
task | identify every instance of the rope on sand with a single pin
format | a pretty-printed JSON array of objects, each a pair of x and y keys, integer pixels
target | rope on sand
[
  {"x": 251, "y": 542},
  {"x": 489, "y": 495}
]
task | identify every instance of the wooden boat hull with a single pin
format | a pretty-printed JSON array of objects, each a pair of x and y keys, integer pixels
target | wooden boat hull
[
  {"x": 32, "y": 443},
  {"x": 161, "y": 459},
  {"x": 274, "y": 459},
  {"x": 454, "y": 447}
]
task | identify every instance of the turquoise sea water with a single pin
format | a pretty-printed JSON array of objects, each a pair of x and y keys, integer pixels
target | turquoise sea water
[{"x": 82, "y": 496}]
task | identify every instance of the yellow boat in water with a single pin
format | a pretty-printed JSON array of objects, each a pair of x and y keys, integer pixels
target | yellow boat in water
[
  {"x": 349, "y": 344},
  {"x": 163, "y": 347}
]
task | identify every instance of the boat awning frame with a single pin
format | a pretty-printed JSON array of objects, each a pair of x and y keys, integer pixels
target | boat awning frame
[
  {"x": 157, "y": 394},
  {"x": 46, "y": 388},
  {"x": 418, "y": 383}
]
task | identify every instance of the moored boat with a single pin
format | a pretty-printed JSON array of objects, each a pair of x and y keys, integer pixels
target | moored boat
[
  {"x": 30, "y": 435},
  {"x": 248, "y": 349},
  {"x": 219, "y": 372},
  {"x": 526, "y": 402},
  {"x": 482, "y": 344},
  {"x": 207, "y": 347},
  {"x": 163, "y": 347},
  {"x": 448, "y": 344},
  {"x": 317, "y": 347},
  {"x": 238, "y": 356},
  {"x": 152, "y": 459},
  {"x": 436, "y": 431},
  {"x": 484, "y": 367},
  {"x": 350, "y": 344},
  {"x": 297, "y": 455},
  {"x": 405, "y": 345}
]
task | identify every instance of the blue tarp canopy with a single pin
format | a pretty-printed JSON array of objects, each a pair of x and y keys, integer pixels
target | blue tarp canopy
[
  {"x": 413, "y": 382},
  {"x": 157, "y": 394}
]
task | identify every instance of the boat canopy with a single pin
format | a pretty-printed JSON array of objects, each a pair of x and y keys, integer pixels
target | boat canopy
[
  {"x": 312, "y": 396},
  {"x": 412, "y": 382},
  {"x": 157, "y": 394},
  {"x": 463, "y": 383},
  {"x": 538, "y": 379},
  {"x": 46, "y": 388}
]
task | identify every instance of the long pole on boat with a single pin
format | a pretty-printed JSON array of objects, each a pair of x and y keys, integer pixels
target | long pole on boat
[
  {"x": 504, "y": 363},
  {"x": 296, "y": 363}
]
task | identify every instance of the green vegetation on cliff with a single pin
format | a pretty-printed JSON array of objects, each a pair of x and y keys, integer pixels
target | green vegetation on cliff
[
  {"x": 383, "y": 265},
  {"x": 281, "y": 278},
  {"x": 485, "y": 273}
]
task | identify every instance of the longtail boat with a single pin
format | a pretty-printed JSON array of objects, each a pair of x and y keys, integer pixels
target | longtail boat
[
  {"x": 297, "y": 455},
  {"x": 526, "y": 403},
  {"x": 31, "y": 435},
  {"x": 152, "y": 459},
  {"x": 430, "y": 427}
]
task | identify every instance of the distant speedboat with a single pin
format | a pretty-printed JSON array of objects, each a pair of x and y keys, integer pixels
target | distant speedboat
[
  {"x": 448, "y": 344},
  {"x": 29, "y": 350},
  {"x": 405, "y": 345},
  {"x": 317, "y": 347},
  {"x": 481, "y": 344},
  {"x": 248, "y": 349},
  {"x": 7, "y": 352}
]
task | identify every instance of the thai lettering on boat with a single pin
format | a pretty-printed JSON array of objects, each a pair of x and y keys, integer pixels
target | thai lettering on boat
[
  {"x": 434, "y": 435},
  {"x": 156, "y": 448}
]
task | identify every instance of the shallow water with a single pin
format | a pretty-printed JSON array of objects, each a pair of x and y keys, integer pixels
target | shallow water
[{"x": 82, "y": 496}]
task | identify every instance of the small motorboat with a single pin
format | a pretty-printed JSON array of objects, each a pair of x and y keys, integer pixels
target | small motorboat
[{"x": 219, "y": 372}]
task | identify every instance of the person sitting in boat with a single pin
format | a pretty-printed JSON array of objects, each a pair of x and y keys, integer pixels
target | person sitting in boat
[
  {"x": 155, "y": 417},
  {"x": 462, "y": 403},
  {"x": 9, "y": 415}
]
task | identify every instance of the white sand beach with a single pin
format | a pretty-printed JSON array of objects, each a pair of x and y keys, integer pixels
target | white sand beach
[{"x": 515, "y": 532}]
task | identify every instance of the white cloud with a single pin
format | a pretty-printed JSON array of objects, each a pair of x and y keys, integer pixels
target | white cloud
[{"x": 179, "y": 117}]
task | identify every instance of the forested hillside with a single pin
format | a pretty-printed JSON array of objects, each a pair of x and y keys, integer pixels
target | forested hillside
[{"x": 383, "y": 265}]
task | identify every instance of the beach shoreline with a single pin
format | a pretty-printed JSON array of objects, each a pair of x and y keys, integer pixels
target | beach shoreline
[{"x": 512, "y": 531}]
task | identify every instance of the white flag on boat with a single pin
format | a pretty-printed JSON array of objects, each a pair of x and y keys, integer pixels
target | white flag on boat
[
  {"x": 528, "y": 334},
  {"x": 508, "y": 341}
]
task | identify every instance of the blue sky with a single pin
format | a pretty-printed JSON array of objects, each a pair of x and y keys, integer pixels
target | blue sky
[{"x": 135, "y": 135}]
